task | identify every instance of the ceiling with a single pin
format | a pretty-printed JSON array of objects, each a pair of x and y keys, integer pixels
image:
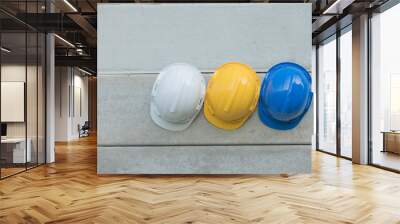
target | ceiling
[{"x": 75, "y": 21}]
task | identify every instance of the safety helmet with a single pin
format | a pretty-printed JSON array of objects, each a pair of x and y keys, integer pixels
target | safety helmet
[
  {"x": 285, "y": 96},
  {"x": 177, "y": 96},
  {"x": 232, "y": 95}
]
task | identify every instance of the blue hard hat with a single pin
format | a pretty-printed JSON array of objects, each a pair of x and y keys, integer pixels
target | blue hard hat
[{"x": 285, "y": 96}]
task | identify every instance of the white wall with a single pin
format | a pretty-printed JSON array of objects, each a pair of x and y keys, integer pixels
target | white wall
[
  {"x": 79, "y": 117},
  {"x": 9, "y": 73},
  {"x": 62, "y": 82},
  {"x": 70, "y": 83}
]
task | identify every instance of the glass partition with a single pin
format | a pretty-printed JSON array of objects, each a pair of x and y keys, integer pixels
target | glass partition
[
  {"x": 22, "y": 101},
  {"x": 41, "y": 97},
  {"x": 14, "y": 153},
  {"x": 32, "y": 95}
]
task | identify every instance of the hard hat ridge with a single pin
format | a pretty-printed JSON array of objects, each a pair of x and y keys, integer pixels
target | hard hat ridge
[
  {"x": 177, "y": 96},
  {"x": 285, "y": 96},
  {"x": 232, "y": 95}
]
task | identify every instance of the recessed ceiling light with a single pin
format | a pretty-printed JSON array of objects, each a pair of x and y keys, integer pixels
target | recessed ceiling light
[
  {"x": 5, "y": 50},
  {"x": 338, "y": 6},
  {"x": 84, "y": 71},
  {"x": 64, "y": 40},
  {"x": 70, "y": 5}
]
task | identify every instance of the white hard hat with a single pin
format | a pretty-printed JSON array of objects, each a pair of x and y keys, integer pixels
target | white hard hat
[{"x": 177, "y": 96}]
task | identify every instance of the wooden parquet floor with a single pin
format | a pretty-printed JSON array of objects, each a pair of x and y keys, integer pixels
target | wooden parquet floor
[{"x": 70, "y": 191}]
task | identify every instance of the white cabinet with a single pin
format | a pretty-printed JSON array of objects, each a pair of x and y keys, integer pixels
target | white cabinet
[{"x": 19, "y": 155}]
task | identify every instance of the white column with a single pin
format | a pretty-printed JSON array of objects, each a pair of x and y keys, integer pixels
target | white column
[
  {"x": 360, "y": 90},
  {"x": 50, "y": 93}
]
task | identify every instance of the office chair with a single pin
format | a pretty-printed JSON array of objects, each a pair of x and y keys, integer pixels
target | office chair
[{"x": 84, "y": 130}]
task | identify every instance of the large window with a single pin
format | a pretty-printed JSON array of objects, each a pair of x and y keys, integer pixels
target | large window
[
  {"x": 335, "y": 94},
  {"x": 327, "y": 96},
  {"x": 346, "y": 92},
  {"x": 385, "y": 89}
]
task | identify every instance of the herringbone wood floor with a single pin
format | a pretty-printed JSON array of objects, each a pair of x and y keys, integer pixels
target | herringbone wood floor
[{"x": 70, "y": 191}]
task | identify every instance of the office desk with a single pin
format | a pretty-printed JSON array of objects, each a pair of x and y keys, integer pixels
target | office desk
[
  {"x": 391, "y": 141},
  {"x": 16, "y": 147}
]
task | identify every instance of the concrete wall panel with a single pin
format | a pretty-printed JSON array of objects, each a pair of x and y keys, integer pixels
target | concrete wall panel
[
  {"x": 147, "y": 37},
  {"x": 124, "y": 119},
  {"x": 204, "y": 160}
]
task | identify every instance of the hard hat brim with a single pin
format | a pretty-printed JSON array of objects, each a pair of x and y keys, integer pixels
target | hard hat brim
[
  {"x": 168, "y": 125},
  {"x": 221, "y": 123},
  {"x": 281, "y": 125}
]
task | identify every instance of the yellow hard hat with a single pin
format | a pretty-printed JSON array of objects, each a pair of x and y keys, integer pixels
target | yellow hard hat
[{"x": 231, "y": 96}]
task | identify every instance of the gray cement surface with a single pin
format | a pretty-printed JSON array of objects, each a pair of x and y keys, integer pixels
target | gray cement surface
[{"x": 204, "y": 160}]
